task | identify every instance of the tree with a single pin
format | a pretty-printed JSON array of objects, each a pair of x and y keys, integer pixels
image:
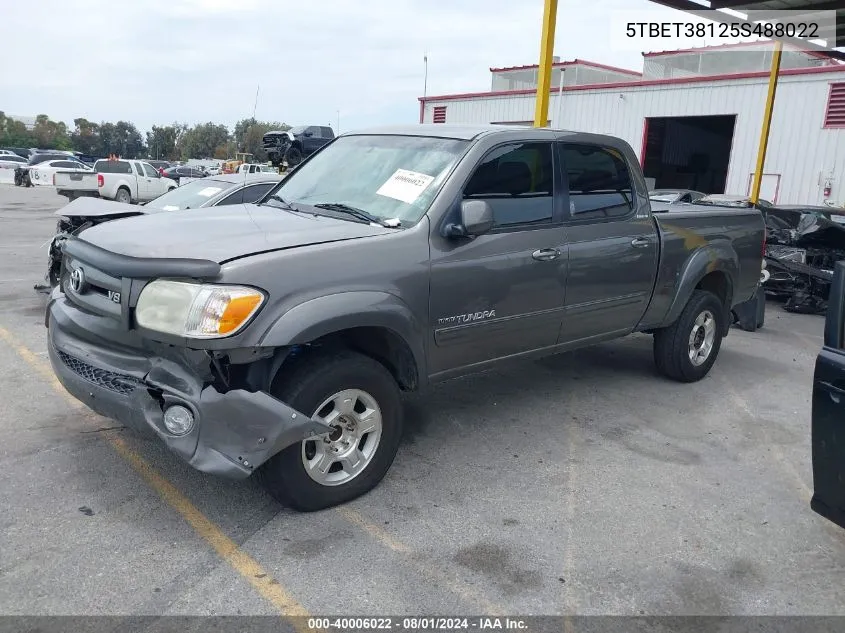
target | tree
[
  {"x": 203, "y": 140},
  {"x": 162, "y": 141},
  {"x": 50, "y": 134},
  {"x": 14, "y": 133},
  {"x": 85, "y": 137}
]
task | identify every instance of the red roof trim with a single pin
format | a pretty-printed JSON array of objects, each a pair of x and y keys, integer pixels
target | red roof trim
[
  {"x": 647, "y": 82},
  {"x": 734, "y": 45},
  {"x": 574, "y": 62}
]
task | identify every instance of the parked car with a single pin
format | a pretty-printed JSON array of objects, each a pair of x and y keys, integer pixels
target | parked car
[
  {"x": 20, "y": 151},
  {"x": 276, "y": 338},
  {"x": 674, "y": 196},
  {"x": 183, "y": 171},
  {"x": 198, "y": 194},
  {"x": 828, "y": 410},
  {"x": 293, "y": 146},
  {"x": 255, "y": 168},
  {"x": 11, "y": 161},
  {"x": 7, "y": 152},
  {"x": 213, "y": 170},
  {"x": 43, "y": 173},
  {"x": 23, "y": 175},
  {"x": 125, "y": 181}
]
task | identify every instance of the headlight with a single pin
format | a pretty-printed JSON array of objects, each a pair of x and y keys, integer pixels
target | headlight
[{"x": 196, "y": 310}]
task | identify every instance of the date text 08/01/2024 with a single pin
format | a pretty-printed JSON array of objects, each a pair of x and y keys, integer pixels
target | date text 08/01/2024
[
  {"x": 416, "y": 623},
  {"x": 808, "y": 30}
]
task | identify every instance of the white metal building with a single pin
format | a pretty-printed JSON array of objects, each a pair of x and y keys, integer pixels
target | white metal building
[{"x": 693, "y": 117}]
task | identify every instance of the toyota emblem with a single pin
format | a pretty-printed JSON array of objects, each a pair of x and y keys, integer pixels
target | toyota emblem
[{"x": 77, "y": 280}]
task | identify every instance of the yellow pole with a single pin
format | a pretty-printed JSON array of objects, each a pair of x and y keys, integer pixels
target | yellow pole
[
  {"x": 544, "y": 72},
  {"x": 767, "y": 122}
]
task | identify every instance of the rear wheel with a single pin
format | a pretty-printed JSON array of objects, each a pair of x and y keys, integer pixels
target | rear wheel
[
  {"x": 123, "y": 196},
  {"x": 686, "y": 350},
  {"x": 359, "y": 398}
]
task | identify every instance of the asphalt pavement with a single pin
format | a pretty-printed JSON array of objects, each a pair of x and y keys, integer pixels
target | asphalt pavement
[{"x": 578, "y": 484}]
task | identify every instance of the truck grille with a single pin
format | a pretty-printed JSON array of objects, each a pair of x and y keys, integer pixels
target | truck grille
[
  {"x": 119, "y": 383},
  {"x": 99, "y": 292}
]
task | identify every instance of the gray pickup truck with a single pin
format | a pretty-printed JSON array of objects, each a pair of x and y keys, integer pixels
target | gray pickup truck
[{"x": 275, "y": 338}]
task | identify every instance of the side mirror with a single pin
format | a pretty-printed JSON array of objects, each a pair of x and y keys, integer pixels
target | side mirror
[{"x": 476, "y": 219}]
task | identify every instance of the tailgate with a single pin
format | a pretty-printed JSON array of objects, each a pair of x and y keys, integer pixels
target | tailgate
[{"x": 75, "y": 181}]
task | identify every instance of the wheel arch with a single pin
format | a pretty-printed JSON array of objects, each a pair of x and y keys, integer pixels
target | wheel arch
[
  {"x": 712, "y": 268},
  {"x": 376, "y": 324}
]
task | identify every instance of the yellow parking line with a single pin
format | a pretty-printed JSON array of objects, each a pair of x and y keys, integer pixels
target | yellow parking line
[
  {"x": 432, "y": 571},
  {"x": 226, "y": 548}
]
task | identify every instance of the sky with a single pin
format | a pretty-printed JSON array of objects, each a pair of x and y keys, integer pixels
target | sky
[{"x": 311, "y": 61}]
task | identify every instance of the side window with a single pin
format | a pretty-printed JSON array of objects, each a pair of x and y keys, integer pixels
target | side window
[
  {"x": 327, "y": 132},
  {"x": 687, "y": 197},
  {"x": 65, "y": 164},
  {"x": 599, "y": 183},
  {"x": 149, "y": 171},
  {"x": 255, "y": 192},
  {"x": 517, "y": 181},
  {"x": 235, "y": 198},
  {"x": 138, "y": 169},
  {"x": 315, "y": 131}
]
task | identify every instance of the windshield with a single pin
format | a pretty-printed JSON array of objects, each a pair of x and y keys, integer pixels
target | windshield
[
  {"x": 190, "y": 195},
  {"x": 390, "y": 177}
]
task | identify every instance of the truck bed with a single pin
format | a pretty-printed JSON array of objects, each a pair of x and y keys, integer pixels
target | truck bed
[{"x": 695, "y": 231}]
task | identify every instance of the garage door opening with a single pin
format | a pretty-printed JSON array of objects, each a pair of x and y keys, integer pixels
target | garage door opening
[{"x": 688, "y": 152}]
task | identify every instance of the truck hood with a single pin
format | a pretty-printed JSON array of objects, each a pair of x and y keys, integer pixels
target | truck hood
[
  {"x": 222, "y": 233},
  {"x": 88, "y": 207}
]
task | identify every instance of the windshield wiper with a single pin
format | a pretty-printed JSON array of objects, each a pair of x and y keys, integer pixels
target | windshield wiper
[
  {"x": 285, "y": 204},
  {"x": 360, "y": 214}
]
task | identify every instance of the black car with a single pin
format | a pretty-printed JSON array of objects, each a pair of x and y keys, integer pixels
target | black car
[
  {"x": 159, "y": 164},
  {"x": 828, "y": 430},
  {"x": 184, "y": 171},
  {"x": 20, "y": 151},
  {"x": 295, "y": 144}
]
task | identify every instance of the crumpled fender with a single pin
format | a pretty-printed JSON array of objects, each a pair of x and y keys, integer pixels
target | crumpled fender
[
  {"x": 332, "y": 313},
  {"x": 717, "y": 255}
]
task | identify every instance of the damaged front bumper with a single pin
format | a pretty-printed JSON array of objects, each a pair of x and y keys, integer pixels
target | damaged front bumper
[{"x": 234, "y": 431}]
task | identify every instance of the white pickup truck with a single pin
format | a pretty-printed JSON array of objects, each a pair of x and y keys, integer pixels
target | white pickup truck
[{"x": 121, "y": 180}]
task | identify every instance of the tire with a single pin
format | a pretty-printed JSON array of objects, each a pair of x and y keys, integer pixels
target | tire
[
  {"x": 309, "y": 384},
  {"x": 294, "y": 156},
  {"x": 171, "y": 188},
  {"x": 674, "y": 345},
  {"x": 123, "y": 196}
]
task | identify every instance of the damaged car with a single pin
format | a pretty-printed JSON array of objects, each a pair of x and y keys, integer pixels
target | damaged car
[
  {"x": 289, "y": 148},
  {"x": 276, "y": 339},
  {"x": 83, "y": 213},
  {"x": 803, "y": 245}
]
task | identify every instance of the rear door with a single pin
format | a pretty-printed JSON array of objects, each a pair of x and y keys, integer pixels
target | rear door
[
  {"x": 828, "y": 421},
  {"x": 612, "y": 242},
  {"x": 312, "y": 140}
]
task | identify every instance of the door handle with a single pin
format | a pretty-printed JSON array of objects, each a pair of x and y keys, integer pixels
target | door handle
[
  {"x": 640, "y": 242},
  {"x": 835, "y": 393},
  {"x": 546, "y": 254}
]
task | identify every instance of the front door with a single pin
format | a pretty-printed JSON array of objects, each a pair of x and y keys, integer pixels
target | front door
[
  {"x": 828, "y": 423},
  {"x": 613, "y": 249},
  {"x": 501, "y": 293}
]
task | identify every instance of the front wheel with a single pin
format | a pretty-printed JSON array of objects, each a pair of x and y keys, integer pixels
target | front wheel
[
  {"x": 359, "y": 399},
  {"x": 686, "y": 350}
]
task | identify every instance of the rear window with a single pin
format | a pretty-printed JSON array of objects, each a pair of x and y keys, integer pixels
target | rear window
[{"x": 112, "y": 167}]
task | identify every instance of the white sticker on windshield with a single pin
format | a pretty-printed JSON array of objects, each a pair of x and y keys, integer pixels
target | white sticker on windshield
[
  {"x": 169, "y": 207},
  {"x": 405, "y": 185},
  {"x": 209, "y": 191}
]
